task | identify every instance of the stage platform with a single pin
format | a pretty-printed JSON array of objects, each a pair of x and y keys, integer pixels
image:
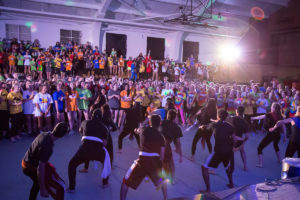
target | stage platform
[{"x": 288, "y": 189}]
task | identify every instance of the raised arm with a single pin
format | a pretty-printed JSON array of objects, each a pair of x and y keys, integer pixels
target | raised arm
[
  {"x": 258, "y": 117},
  {"x": 281, "y": 123}
]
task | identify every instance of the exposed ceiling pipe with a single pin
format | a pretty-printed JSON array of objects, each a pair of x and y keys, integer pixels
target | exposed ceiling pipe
[{"x": 112, "y": 21}]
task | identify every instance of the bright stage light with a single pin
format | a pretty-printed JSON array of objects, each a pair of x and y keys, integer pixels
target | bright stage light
[{"x": 230, "y": 53}]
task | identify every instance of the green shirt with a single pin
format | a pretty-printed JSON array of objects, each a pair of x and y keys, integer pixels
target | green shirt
[
  {"x": 32, "y": 65},
  {"x": 20, "y": 60},
  {"x": 83, "y": 104}
]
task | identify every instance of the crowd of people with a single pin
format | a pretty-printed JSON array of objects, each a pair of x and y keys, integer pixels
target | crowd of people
[{"x": 42, "y": 88}]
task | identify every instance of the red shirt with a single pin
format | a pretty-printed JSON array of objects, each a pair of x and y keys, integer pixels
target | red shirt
[
  {"x": 1, "y": 57},
  {"x": 129, "y": 62},
  {"x": 71, "y": 57}
]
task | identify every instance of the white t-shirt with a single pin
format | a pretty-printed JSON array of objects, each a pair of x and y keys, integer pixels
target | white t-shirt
[
  {"x": 166, "y": 94},
  {"x": 164, "y": 68},
  {"x": 262, "y": 102},
  {"x": 177, "y": 71},
  {"x": 28, "y": 106},
  {"x": 156, "y": 67},
  {"x": 44, "y": 101},
  {"x": 200, "y": 71},
  {"x": 27, "y": 59}
]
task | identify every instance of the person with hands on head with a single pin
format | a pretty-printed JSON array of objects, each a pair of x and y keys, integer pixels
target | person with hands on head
[
  {"x": 270, "y": 119},
  {"x": 294, "y": 143}
]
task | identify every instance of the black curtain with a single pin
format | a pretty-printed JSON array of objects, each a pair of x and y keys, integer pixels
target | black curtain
[
  {"x": 157, "y": 47},
  {"x": 190, "y": 48},
  {"x": 117, "y": 41}
]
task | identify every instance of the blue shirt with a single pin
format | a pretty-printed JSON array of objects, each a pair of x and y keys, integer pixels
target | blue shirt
[
  {"x": 297, "y": 121},
  {"x": 96, "y": 64},
  {"x": 59, "y": 96},
  {"x": 132, "y": 67}
]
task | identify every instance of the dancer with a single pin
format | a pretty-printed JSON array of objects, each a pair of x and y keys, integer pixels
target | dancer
[
  {"x": 205, "y": 115},
  {"x": 35, "y": 164},
  {"x": 106, "y": 119},
  {"x": 172, "y": 133},
  {"x": 132, "y": 121},
  {"x": 94, "y": 139},
  {"x": 270, "y": 119},
  {"x": 149, "y": 163},
  {"x": 241, "y": 127},
  {"x": 294, "y": 143},
  {"x": 223, "y": 150}
]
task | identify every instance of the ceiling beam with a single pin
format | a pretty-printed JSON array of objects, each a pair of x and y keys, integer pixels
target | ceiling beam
[
  {"x": 114, "y": 21},
  {"x": 132, "y": 8},
  {"x": 176, "y": 2},
  {"x": 70, "y": 4},
  {"x": 104, "y": 7}
]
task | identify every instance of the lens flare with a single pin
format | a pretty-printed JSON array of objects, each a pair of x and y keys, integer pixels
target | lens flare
[
  {"x": 257, "y": 13},
  {"x": 28, "y": 24},
  {"x": 230, "y": 53},
  {"x": 33, "y": 28}
]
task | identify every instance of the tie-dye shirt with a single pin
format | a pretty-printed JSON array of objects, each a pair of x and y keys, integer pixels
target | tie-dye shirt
[{"x": 179, "y": 98}]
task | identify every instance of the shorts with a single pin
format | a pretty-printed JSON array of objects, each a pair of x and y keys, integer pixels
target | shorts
[
  {"x": 215, "y": 159},
  {"x": 68, "y": 73},
  {"x": 57, "y": 70},
  {"x": 97, "y": 71},
  {"x": 62, "y": 69},
  {"x": 125, "y": 109},
  {"x": 115, "y": 109},
  {"x": 4, "y": 119},
  {"x": 48, "y": 69},
  {"x": 142, "y": 167}
]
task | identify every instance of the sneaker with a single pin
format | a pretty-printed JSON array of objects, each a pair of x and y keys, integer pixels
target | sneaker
[{"x": 70, "y": 190}]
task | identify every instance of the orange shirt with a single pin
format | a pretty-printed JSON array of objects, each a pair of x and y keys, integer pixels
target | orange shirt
[
  {"x": 150, "y": 110},
  {"x": 12, "y": 60},
  {"x": 121, "y": 62},
  {"x": 72, "y": 100},
  {"x": 80, "y": 55},
  {"x": 68, "y": 66},
  {"x": 125, "y": 104},
  {"x": 102, "y": 63}
]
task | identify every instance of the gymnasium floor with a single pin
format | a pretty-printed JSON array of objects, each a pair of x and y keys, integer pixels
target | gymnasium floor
[{"x": 15, "y": 186}]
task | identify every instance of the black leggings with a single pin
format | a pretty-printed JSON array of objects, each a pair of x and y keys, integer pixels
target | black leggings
[
  {"x": 124, "y": 133},
  {"x": 16, "y": 124},
  {"x": 291, "y": 149},
  {"x": 35, "y": 187},
  {"x": 88, "y": 151},
  {"x": 270, "y": 137},
  {"x": 206, "y": 134}
]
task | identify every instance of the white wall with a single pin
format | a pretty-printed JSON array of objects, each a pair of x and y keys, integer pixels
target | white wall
[
  {"x": 209, "y": 46},
  {"x": 48, "y": 32},
  {"x": 48, "y": 29}
]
